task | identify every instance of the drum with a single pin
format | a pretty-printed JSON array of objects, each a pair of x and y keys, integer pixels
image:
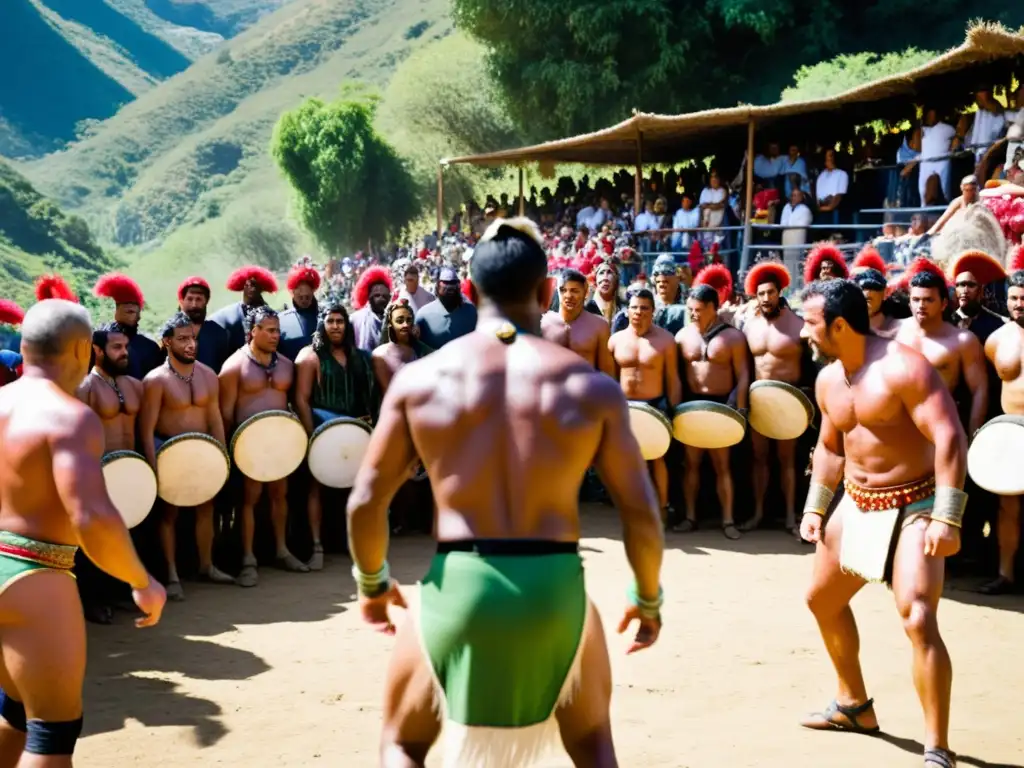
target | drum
[
  {"x": 269, "y": 446},
  {"x": 191, "y": 469},
  {"x": 779, "y": 411},
  {"x": 336, "y": 450},
  {"x": 707, "y": 424},
  {"x": 131, "y": 485},
  {"x": 995, "y": 456},
  {"x": 651, "y": 428}
]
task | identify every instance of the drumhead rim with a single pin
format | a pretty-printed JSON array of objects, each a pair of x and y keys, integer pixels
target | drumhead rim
[
  {"x": 193, "y": 436},
  {"x": 122, "y": 454},
  {"x": 1003, "y": 418},
  {"x": 709, "y": 405},
  {"x": 805, "y": 401},
  {"x": 337, "y": 421},
  {"x": 277, "y": 413},
  {"x": 642, "y": 407}
]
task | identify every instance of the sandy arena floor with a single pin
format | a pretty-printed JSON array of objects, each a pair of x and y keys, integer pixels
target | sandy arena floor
[{"x": 286, "y": 674}]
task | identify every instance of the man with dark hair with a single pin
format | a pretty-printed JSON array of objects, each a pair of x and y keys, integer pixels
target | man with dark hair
[
  {"x": 213, "y": 346},
  {"x": 890, "y": 428},
  {"x": 507, "y": 581},
  {"x": 53, "y": 499},
  {"x": 253, "y": 380},
  {"x": 145, "y": 354},
  {"x": 448, "y": 318},
  {"x": 669, "y": 307},
  {"x": 181, "y": 396},
  {"x": 956, "y": 354},
  {"x": 1005, "y": 350},
  {"x": 571, "y": 327},
  {"x": 648, "y": 371},
  {"x": 880, "y": 309},
  {"x": 714, "y": 362},
  {"x": 370, "y": 297},
  {"x": 116, "y": 398},
  {"x": 333, "y": 377},
  {"x": 299, "y": 321},
  {"x": 252, "y": 282}
]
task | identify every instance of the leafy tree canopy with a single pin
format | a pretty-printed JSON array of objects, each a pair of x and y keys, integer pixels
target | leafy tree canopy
[
  {"x": 578, "y": 65},
  {"x": 846, "y": 71},
  {"x": 351, "y": 186}
]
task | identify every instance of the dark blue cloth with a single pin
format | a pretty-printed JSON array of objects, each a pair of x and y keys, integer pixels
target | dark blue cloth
[
  {"x": 10, "y": 359},
  {"x": 297, "y": 327},
  {"x": 232, "y": 319},
  {"x": 212, "y": 345},
  {"x": 144, "y": 355},
  {"x": 438, "y": 326}
]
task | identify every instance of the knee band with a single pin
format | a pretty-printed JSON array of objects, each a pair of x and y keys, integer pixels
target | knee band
[
  {"x": 45, "y": 738},
  {"x": 12, "y": 711}
]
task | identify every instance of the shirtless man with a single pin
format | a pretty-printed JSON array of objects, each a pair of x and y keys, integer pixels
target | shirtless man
[
  {"x": 52, "y": 500},
  {"x": 398, "y": 343},
  {"x": 571, "y": 327},
  {"x": 645, "y": 357},
  {"x": 872, "y": 284},
  {"x": 512, "y": 427},
  {"x": 178, "y": 397},
  {"x": 256, "y": 379},
  {"x": 955, "y": 353},
  {"x": 115, "y": 397},
  {"x": 887, "y": 422},
  {"x": 773, "y": 335},
  {"x": 714, "y": 360},
  {"x": 1005, "y": 350}
]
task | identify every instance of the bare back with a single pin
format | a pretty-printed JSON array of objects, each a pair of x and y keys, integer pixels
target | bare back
[
  {"x": 776, "y": 346},
  {"x": 1005, "y": 350},
  {"x": 507, "y": 432},
  {"x": 36, "y": 415},
  {"x": 118, "y": 418}
]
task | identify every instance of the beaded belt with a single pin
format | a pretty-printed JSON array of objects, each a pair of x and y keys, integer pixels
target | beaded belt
[
  {"x": 893, "y": 497},
  {"x": 58, "y": 556}
]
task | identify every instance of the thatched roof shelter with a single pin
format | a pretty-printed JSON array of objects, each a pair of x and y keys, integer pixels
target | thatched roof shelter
[{"x": 948, "y": 80}]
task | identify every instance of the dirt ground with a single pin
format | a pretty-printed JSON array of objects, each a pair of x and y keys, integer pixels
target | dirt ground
[{"x": 285, "y": 674}]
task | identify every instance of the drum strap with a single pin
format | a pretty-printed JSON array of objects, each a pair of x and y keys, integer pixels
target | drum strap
[{"x": 708, "y": 336}]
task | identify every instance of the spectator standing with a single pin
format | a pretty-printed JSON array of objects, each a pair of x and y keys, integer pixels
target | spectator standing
[
  {"x": 448, "y": 318},
  {"x": 831, "y": 186},
  {"x": 936, "y": 143}
]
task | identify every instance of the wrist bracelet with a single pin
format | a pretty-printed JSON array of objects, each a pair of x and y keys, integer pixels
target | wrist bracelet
[
  {"x": 650, "y": 609},
  {"x": 372, "y": 584},
  {"x": 949, "y": 506},
  {"x": 818, "y": 499}
]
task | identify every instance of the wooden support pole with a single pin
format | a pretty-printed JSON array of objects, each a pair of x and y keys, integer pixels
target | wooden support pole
[
  {"x": 440, "y": 202},
  {"x": 639, "y": 181},
  {"x": 748, "y": 230},
  {"x": 522, "y": 198}
]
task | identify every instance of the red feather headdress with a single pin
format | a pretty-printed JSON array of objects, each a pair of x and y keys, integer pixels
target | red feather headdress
[
  {"x": 1015, "y": 258},
  {"x": 54, "y": 287},
  {"x": 917, "y": 266},
  {"x": 264, "y": 279},
  {"x": 718, "y": 277},
  {"x": 121, "y": 288},
  {"x": 193, "y": 282},
  {"x": 824, "y": 252},
  {"x": 759, "y": 272},
  {"x": 10, "y": 313},
  {"x": 369, "y": 278},
  {"x": 303, "y": 274},
  {"x": 985, "y": 268},
  {"x": 469, "y": 290},
  {"x": 868, "y": 258}
]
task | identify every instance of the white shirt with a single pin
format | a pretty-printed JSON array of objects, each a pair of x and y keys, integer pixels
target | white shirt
[
  {"x": 832, "y": 183},
  {"x": 986, "y": 130},
  {"x": 800, "y": 216},
  {"x": 421, "y": 298},
  {"x": 935, "y": 142},
  {"x": 713, "y": 196}
]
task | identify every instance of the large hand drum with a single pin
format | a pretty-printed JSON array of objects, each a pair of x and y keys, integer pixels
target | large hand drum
[
  {"x": 191, "y": 469},
  {"x": 131, "y": 485},
  {"x": 996, "y": 456},
  {"x": 651, "y": 428},
  {"x": 779, "y": 411},
  {"x": 336, "y": 450},
  {"x": 269, "y": 446},
  {"x": 708, "y": 425}
]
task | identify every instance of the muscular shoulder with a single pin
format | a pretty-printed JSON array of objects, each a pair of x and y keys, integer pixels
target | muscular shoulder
[
  {"x": 902, "y": 364},
  {"x": 204, "y": 371},
  {"x": 734, "y": 336},
  {"x": 155, "y": 377},
  {"x": 69, "y": 418},
  {"x": 129, "y": 382},
  {"x": 234, "y": 362},
  {"x": 306, "y": 355}
]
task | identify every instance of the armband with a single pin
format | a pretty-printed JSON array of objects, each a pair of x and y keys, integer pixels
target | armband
[
  {"x": 818, "y": 499},
  {"x": 372, "y": 584},
  {"x": 649, "y": 609},
  {"x": 949, "y": 506}
]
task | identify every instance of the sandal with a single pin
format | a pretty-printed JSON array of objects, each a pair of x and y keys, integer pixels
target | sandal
[
  {"x": 943, "y": 758},
  {"x": 685, "y": 526},
  {"x": 731, "y": 531},
  {"x": 998, "y": 586},
  {"x": 850, "y": 713}
]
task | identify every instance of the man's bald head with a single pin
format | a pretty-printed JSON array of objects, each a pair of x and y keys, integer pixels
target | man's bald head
[{"x": 51, "y": 328}]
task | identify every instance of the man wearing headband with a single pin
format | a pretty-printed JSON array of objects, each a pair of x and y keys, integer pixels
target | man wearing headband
[
  {"x": 213, "y": 346},
  {"x": 873, "y": 285},
  {"x": 890, "y": 427},
  {"x": 773, "y": 335},
  {"x": 252, "y": 282},
  {"x": 333, "y": 378},
  {"x": 370, "y": 296},
  {"x": 256, "y": 379},
  {"x": 144, "y": 354},
  {"x": 448, "y": 318},
  {"x": 957, "y": 355},
  {"x": 669, "y": 309},
  {"x": 502, "y": 628},
  {"x": 298, "y": 322},
  {"x": 571, "y": 327},
  {"x": 179, "y": 397}
]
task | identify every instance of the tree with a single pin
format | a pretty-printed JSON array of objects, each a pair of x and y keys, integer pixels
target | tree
[
  {"x": 351, "y": 186},
  {"x": 578, "y": 65},
  {"x": 846, "y": 71}
]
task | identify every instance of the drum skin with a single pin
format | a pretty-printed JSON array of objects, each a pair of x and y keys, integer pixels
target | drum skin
[
  {"x": 191, "y": 469},
  {"x": 994, "y": 458},
  {"x": 269, "y": 446},
  {"x": 651, "y": 428},
  {"x": 336, "y": 450},
  {"x": 708, "y": 425},
  {"x": 779, "y": 411},
  {"x": 131, "y": 485}
]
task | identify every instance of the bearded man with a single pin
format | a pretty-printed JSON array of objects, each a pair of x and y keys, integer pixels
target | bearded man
[
  {"x": 144, "y": 353},
  {"x": 370, "y": 296},
  {"x": 252, "y": 282},
  {"x": 971, "y": 272},
  {"x": 448, "y": 318},
  {"x": 212, "y": 341},
  {"x": 298, "y": 322}
]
